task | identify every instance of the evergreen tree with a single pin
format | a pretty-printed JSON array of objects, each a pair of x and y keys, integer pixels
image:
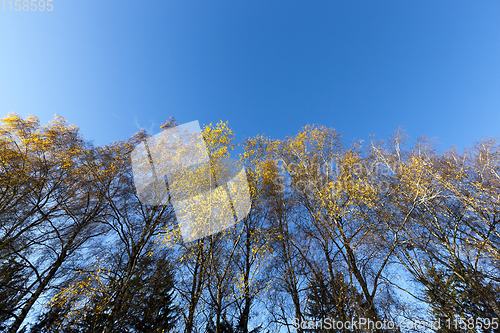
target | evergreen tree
[
  {"x": 151, "y": 300},
  {"x": 149, "y": 305},
  {"x": 12, "y": 283},
  {"x": 451, "y": 299},
  {"x": 226, "y": 326},
  {"x": 334, "y": 299}
]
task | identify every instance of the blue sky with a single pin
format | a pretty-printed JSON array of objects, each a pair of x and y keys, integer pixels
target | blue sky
[{"x": 267, "y": 67}]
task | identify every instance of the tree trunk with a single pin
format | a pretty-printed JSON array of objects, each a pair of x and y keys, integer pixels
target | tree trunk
[{"x": 45, "y": 281}]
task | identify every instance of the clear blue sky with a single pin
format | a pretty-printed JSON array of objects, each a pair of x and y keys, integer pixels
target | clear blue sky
[{"x": 268, "y": 67}]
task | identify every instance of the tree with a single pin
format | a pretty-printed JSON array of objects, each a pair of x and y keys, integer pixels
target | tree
[
  {"x": 12, "y": 282},
  {"x": 450, "y": 298},
  {"x": 339, "y": 209},
  {"x": 335, "y": 300},
  {"x": 133, "y": 224},
  {"x": 56, "y": 206},
  {"x": 151, "y": 301},
  {"x": 446, "y": 229},
  {"x": 149, "y": 304}
]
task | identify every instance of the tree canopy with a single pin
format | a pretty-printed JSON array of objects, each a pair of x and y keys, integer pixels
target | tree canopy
[{"x": 382, "y": 231}]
